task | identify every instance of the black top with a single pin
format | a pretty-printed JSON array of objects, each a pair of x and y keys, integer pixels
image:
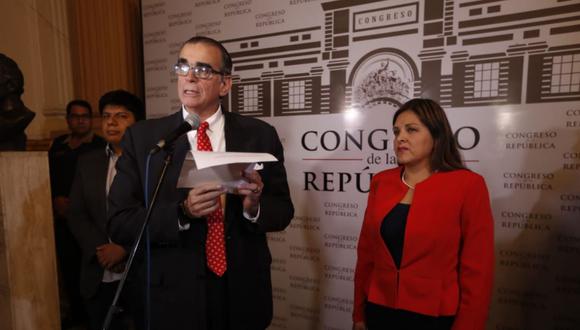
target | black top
[
  {"x": 382, "y": 317},
  {"x": 393, "y": 231}
]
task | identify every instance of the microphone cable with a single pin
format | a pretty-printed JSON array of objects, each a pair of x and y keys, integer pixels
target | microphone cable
[{"x": 148, "y": 250}]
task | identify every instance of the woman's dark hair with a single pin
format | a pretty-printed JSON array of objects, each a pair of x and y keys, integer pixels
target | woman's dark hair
[{"x": 445, "y": 155}]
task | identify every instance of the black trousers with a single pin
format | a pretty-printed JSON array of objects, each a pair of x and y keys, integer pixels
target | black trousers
[
  {"x": 68, "y": 255},
  {"x": 217, "y": 309},
  {"x": 217, "y": 301},
  {"x": 380, "y": 317},
  {"x": 98, "y": 306}
]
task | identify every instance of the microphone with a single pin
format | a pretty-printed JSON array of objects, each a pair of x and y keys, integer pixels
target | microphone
[{"x": 191, "y": 122}]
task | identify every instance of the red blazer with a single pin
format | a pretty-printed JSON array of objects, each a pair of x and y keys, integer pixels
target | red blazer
[{"x": 448, "y": 258}]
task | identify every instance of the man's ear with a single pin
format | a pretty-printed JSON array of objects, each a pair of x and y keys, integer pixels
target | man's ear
[{"x": 226, "y": 85}]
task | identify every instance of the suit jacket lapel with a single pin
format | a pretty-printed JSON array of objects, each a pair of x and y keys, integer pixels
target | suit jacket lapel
[
  {"x": 233, "y": 133},
  {"x": 235, "y": 142},
  {"x": 182, "y": 147},
  {"x": 100, "y": 176}
]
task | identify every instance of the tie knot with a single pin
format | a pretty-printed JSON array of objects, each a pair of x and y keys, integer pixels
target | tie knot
[
  {"x": 202, "y": 127},
  {"x": 203, "y": 142}
]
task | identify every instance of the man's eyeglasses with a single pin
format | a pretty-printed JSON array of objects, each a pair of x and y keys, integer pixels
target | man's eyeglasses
[
  {"x": 79, "y": 117},
  {"x": 200, "y": 71}
]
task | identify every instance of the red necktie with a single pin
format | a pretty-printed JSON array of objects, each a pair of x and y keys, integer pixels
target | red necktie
[{"x": 215, "y": 247}]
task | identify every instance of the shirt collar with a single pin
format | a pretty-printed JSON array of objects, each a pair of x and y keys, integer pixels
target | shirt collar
[
  {"x": 215, "y": 121},
  {"x": 87, "y": 139},
  {"x": 110, "y": 151}
]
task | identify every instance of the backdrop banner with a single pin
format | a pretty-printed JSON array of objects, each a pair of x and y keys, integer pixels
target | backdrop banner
[{"x": 330, "y": 74}]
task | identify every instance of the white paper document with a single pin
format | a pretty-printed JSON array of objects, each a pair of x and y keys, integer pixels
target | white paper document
[{"x": 224, "y": 168}]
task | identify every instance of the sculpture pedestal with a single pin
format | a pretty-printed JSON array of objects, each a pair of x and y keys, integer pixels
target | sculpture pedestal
[{"x": 28, "y": 275}]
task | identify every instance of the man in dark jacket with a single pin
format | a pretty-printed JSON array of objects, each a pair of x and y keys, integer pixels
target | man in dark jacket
[
  {"x": 210, "y": 261},
  {"x": 102, "y": 259},
  {"x": 63, "y": 155}
]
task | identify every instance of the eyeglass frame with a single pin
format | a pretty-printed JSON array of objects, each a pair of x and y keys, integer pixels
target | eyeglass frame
[
  {"x": 192, "y": 68},
  {"x": 79, "y": 117}
]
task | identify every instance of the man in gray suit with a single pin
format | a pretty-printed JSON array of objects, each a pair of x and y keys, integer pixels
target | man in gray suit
[{"x": 102, "y": 259}]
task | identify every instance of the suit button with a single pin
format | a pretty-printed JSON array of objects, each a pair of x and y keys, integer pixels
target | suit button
[{"x": 228, "y": 237}]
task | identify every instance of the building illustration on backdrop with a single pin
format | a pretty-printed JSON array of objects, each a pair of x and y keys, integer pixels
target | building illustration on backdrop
[
  {"x": 485, "y": 58},
  {"x": 367, "y": 53}
]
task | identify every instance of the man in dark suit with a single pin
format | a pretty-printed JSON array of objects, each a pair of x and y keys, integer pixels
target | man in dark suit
[
  {"x": 63, "y": 157},
  {"x": 102, "y": 259},
  {"x": 193, "y": 284}
]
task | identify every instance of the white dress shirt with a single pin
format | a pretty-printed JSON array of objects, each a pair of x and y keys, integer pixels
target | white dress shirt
[
  {"x": 217, "y": 138},
  {"x": 109, "y": 276}
]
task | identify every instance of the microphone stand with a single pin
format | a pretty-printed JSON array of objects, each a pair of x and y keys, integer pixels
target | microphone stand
[{"x": 113, "y": 309}]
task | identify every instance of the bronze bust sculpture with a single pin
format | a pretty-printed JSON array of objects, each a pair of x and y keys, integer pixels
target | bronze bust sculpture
[{"x": 14, "y": 115}]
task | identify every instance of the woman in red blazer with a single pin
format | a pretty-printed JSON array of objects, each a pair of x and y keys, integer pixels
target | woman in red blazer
[{"x": 425, "y": 252}]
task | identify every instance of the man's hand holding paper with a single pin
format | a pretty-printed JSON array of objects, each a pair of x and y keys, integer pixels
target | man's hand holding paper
[
  {"x": 221, "y": 168},
  {"x": 252, "y": 190},
  {"x": 211, "y": 174},
  {"x": 202, "y": 200}
]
